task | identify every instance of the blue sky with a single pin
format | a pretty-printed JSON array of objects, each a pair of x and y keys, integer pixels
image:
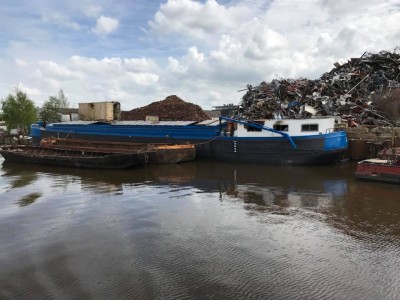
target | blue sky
[{"x": 137, "y": 51}]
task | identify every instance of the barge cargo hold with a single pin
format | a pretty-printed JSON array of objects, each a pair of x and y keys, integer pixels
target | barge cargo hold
[
  {"x": 72, "y": 158},
  {"x": 276, "y": 141},
  {"x": 158, "y": 153}
]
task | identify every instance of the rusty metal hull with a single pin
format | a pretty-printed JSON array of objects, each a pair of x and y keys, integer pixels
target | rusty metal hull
[
  {"x": 379, "y": 170},
  {"x": 379, "y": 178},
  {"x": 174, "y": 154},
  {"x": 159, "y": 153},
  {"x": 72, "y": 158}
]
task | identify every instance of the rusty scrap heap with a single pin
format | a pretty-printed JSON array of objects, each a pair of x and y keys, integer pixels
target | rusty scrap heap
[
  {"x": 171, "y": 108},
  {"x": 350, "y": 91}
]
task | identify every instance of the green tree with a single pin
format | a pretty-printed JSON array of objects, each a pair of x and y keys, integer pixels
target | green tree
[
  {"x": 53, "y": 108},
  {"x": 18, "y": 111}
]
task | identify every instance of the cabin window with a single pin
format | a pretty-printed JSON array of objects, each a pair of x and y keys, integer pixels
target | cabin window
[
  {"x": 250, "y": 128},
  {"x": 281, "y": 127},
  {"x": 309, "y": 127}
]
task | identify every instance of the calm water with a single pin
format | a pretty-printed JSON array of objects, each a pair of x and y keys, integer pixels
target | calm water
[{"x": 200, "y": 230}]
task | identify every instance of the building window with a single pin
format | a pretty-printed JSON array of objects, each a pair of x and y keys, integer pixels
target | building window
[
  {"x": 250, "y": 128},
  {"x": 281, "y": 127},
  {"x": 309, "y": 127}
]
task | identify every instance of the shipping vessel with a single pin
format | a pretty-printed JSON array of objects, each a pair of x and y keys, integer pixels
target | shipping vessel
[
  {"x": 157, "y": 153},
  {"x": 384, "y": 170},
  {"x": 72, "y": 158},
  {"x": 272, "y": 141}
]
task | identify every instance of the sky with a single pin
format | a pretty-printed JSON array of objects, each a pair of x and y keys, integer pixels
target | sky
[{"x": 140, "y": 51}]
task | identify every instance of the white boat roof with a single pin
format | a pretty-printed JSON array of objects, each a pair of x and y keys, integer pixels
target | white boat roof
[
  {"x": 75, "y": 123},
  {"x": 374, "y": 161},
  {"x": 209, "y": 122}
]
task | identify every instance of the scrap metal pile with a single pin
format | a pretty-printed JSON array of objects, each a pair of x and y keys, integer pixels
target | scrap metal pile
[
  {"x": 171, "y": 108},
  {"x": 350, "y": 91}
]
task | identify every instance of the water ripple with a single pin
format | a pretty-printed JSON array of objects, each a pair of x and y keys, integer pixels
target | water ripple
[{"x": 219, "y": 231}]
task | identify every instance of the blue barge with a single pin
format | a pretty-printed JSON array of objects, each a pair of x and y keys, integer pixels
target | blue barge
[{"x": 283, "y": 141}]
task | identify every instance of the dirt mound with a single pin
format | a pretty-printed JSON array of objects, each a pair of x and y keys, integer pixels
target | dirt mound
[{"x": 171, "y": 108}]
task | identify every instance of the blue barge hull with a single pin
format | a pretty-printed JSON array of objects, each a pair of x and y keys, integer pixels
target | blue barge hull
[{"x": 211, "y": 141}]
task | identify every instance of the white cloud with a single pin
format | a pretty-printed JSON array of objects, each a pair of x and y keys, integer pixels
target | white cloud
[
  {"x": 194, "y": 55},
  {"x": 91, "y": 79},
  {"x": 197, "y": 20},
  {"x": 174, "y": 66},
  {"x": 202, "y": 51},
  {"x": 111, "y": 66},
  {"x": 269, "y": 39},
  {"x": 143, "y": 78},
  {"x": 53, "y": 70},
  {"x": 105, "y": 25},
  {"x": 140, "y": 64},
  {"x": 92, "y": 10},
  {"x": 61, "y": 20},
  {"x": 262, "y": 42},
  {"x": 29, "y": 91},
  {"x": 20, "y": 62}
]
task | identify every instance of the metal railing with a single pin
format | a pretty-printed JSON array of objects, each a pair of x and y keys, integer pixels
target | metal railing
[{"x": 258, "y": 126}]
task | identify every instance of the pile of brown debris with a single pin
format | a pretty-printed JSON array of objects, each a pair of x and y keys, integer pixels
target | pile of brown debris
[
  {"x": 364, "y": 90},
  {"x": 171, "y": 108}
]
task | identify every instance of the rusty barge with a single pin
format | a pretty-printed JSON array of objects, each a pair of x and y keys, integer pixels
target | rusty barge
[
  {"x": 384, "y": 168},
  {"x": 157, "y": 153},
  {"x": 73, "y": 158}
]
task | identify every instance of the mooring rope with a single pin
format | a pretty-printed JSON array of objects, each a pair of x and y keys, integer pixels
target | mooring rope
[{"x": 209, "y": 141}]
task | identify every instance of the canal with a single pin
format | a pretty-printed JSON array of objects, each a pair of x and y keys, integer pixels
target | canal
[{"x": 201, "y": 230}]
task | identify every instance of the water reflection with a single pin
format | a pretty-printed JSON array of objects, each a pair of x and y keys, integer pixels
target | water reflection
[
  {"x": 28, "y": 199},
  {"x": 19, "y": 179},
  {"x": 201, "y": 230},
  {"x": 350, "y": 205}
]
